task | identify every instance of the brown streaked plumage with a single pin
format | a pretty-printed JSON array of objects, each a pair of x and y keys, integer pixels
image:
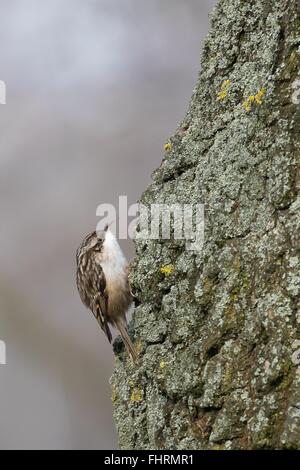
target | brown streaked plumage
[{"x": 102, "y": 283}]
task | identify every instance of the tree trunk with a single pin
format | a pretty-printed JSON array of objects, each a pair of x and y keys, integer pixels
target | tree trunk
[{"x": 217, "y": 329}]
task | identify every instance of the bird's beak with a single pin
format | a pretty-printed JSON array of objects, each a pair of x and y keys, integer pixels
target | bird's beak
[{"x": 108, "y": 225}]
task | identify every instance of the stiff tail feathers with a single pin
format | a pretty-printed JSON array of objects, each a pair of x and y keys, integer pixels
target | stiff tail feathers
[{"x": 127, "y": 341}]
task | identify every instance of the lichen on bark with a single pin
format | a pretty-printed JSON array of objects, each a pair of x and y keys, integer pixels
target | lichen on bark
[{"x": 216, "y": 334}]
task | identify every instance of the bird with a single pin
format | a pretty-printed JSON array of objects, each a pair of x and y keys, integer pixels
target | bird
[{"x": 102, "y": 283}]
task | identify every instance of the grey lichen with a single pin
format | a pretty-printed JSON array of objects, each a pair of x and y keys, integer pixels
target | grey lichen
[{"x": 215, "y": 329}]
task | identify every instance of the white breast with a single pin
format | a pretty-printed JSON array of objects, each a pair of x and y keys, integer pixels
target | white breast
[
  {"x": 113, "y": 261},
  {"x": 114, "y": 265}
]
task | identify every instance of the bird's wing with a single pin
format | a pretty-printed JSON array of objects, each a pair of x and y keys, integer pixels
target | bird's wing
[{"x": 100, "y": 309}]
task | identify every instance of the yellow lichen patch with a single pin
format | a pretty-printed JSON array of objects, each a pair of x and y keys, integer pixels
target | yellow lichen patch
[
  {"x": 168, "y": 146},
  {"x": 136, "y": 395},
  {"x": 162, "y": 364},
  {"x": 222, "y": 94},
  {"x": 248, "y": 103},
  {"x": 114, "y": 394},
  {"x": 258, "y": 99},
  {"x": 167, "y": 269},
  {"x": 217, "y": 447},
  {"x": 138, "y": 346},
  {"x": 259, "y": 95}
]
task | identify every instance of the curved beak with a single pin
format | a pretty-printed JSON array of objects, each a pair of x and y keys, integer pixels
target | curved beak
[{"x": 108, "y": 225}]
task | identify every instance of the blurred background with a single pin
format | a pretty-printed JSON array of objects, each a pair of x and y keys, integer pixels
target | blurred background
[{"x": 94, "y": 90}]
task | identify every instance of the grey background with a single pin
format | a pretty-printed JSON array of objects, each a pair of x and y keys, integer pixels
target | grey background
[{"x": 94, "y": 90}]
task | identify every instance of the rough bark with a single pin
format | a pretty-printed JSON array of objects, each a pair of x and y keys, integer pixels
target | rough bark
[{"x": 216, "y": 336}]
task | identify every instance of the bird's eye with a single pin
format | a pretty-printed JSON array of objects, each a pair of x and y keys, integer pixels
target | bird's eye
[{"x": 99, "y": 244}]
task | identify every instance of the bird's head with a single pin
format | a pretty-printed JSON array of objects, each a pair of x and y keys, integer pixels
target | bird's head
[{"x": 93, "y": 242}]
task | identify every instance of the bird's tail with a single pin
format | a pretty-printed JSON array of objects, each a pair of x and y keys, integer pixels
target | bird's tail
[{"x": 122, "y": 327}]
